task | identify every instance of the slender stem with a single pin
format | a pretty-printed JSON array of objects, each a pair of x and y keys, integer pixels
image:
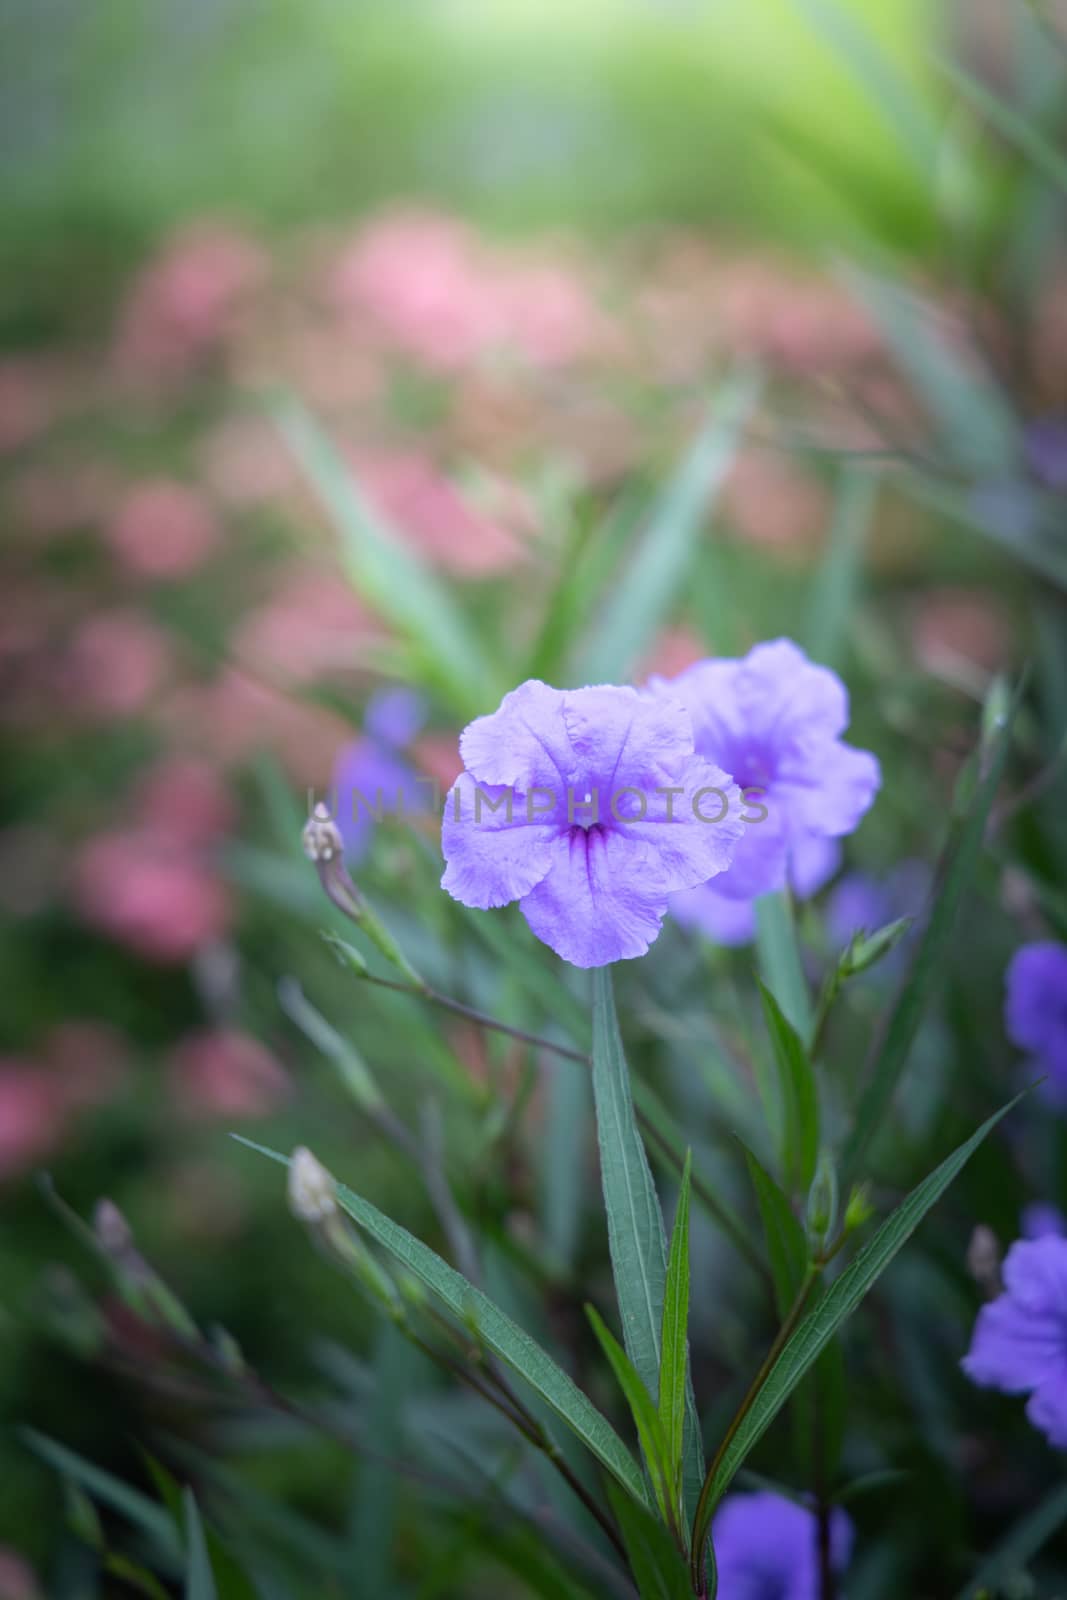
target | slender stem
[{"x": 705, "y": 1505}]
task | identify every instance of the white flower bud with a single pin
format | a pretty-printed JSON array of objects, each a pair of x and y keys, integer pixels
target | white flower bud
[{"x": 312, "y": 1192}]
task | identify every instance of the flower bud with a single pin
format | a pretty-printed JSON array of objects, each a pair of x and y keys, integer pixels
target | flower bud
[
  {"x": 983, "y": 1260},
  {"x": 821, "y": 1217},
  {"x": 859, "y": 1209},
  {"x": 312, "y": 1191}
]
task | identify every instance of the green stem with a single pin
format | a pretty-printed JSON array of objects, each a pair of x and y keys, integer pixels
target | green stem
[{"x": 706, "y": 1503}]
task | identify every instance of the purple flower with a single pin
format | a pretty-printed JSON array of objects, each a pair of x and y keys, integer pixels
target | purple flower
[
  {"x": 767, "y": 1547},
  {"x": 371, "y": 779},
  {"x": 1041, "y": 1220},
  {"x": 1035, "y": 1010},
  {"x": 1020, "y": 1339},
  {"x": 812, "y": 862},
  {"x": 773, "y": 721},
  {"x": 1045, "y": 445},
  {"x": 590, "y": 808}
]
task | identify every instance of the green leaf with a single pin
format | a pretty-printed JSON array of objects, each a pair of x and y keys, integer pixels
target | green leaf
[
  {"x": 779, "y": 959},
  {"x": 656, "y": 1566},
  {"x": 898, "y": 1031},
  {"x": 496, "y": 1330},
  {"x": 882, "y": 84},
  {"x": 798, "y": 1090},
  {"x": 820, "y": 1324},
  {"x": 837, "y": 580},
  {"x": 389, "y": 576},
  {"x": 199, "y": 1579},
  {"x": 1019, "y": 1546},
  {"x": 130, "y": 1503},
  {"x": 635, "y": 1224},
  {"x": 787, "y": 1249},
  {"x": 1019, "y": 129},
  {"x": 976, "y": 423},
  {"x": 647, "y": 1422},
  {"x": 674, "y": 1359},
  {"x": 656, "y": 576}
]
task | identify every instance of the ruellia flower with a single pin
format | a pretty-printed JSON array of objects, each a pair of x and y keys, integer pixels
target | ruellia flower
[
  {"x": 1020, "y": 1339},
  {"x": 773, "y": 721},
  {"x": 590, "y": 808},
  {"x": 766, "y": 1545},
  {"x": 1035, "y": 1011},
  {"x": 727, "y": 921}
]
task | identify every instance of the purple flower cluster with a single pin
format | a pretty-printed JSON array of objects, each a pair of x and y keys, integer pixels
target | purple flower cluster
[
  {"x": 594, "y": 878},
  {"x": 1020, "y": 1339},
  {"x": 1035, "y": 1012},
  {"x": 766, "y": 1547}
]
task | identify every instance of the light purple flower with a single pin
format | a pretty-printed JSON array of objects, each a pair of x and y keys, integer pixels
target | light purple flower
[
  {"x": 812, "y": 863},
  {"x": 1045, "y": 445},
  {"x": 1041, "y": 1221},
  {"x": 1035, "y": 1010},
  {"x": 766, "y": 1547},
  {"x": 585, "y": 835},
  {"x": 371, "y": 778},
  {"x": 773, "y": 720},
  {"x": 1020, "y": 1339}
]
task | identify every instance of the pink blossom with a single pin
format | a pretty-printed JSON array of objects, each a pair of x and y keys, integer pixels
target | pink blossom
[
  {"x": 162, "y": 529},
  {"x": 116, "y": 663},
  {"x": 419, "y": 502},
  {"x": 164, "y": 903},
  {"x": 221, "y": 1072},
  {"x": 31, "y": 1116},
  {"x": 244, "y": 464},
  {"x": 312, "y": 624},
  {"x": 184, "y": 800},
  {"x": 184, "y": 303},
  {"x": 27, "y": 403}
]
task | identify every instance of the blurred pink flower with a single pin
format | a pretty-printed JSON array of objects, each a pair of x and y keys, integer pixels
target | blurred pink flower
[
  {"x": 183, "y": 305},
  {"x": 244, "y": 463},
  {"x": 421, "y": 504},
  {"x": 416, "y": 276},
  {"x": 162, "y": 529},
  {"x": 238, "y": 715},
  {"x": 546, "y": 314},
  {"x": 221, "y": 1072},
  {"x": 27, "y": 403},
  {"x": 184, "y": 800},
  {"x": 312, "y": 624},
  {"x": 31, "y": 1116},
  {"x": 960, "y": 627},
  {"x": 771, "y": 502},
  {"x": 117, "y": 661},
  {"x": 163, "y": 902}
]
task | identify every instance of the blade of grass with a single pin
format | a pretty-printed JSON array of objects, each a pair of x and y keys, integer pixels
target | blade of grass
[
  {"x": 799, "y": 1092},
  {"x": 779, "y": 959},
  {"x": 837, "y": 580},
  {"x": 656, "y": 1566},
  {"x": 1017, "y": 128},
  {"x": 635, "y": 1224},
  {"x": 787, "y": 1248},
  {"x": 813, "y": 1333},
  {"x": 893, "y": 1044},
  {"x": 388, "y": 575},
  {"x": 199, "y": 1579},
  {"x": 674, "y": 1342},
  {"x": 649, "y": 588},
  {"x": 497, "y": 1331},
  {"x": 646, "y": 1420}
]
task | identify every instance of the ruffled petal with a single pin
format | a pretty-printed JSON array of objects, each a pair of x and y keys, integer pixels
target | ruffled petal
[
  {"x": 624, "y": 739},
  {"x": 493, "y": 857},
  {"x": 523, "y": 743},
  {"x": 694, "y": 833},
  {"x": 1047, "y": 1408},
  {"x": 603, "y": 899},
  {"x": 825, "y": 789},
  {"x": 1012, "y": 1350}
]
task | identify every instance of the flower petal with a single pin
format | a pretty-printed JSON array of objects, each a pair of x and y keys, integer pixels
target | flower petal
[
  {"x": 621, "y": 738},
  {"x": 603, "y": 899},
  {"x": 825, "y": 789},
  {"x": 493, "y": 856},
  {"x": 524, "y": 742},
  {"x": 696, "y": 832},
  {"x": 1047, "y": 1408}
]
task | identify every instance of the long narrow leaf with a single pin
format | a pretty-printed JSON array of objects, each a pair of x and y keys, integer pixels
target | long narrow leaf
[
  {"x": 500, "y": 1334},
  {"x": 1019, "y": 129},
  {"x": 657, "y": 1568},
  {"x": 787, "y": 1249},
  {"x": 674, "y": 1358},
  {"x": 837, "y": 581},
  {"x": 635, "y": 1224},
  {"x": 388, "y": 575},
  {"x": 656, "y": 575},
  {"x": 649, "y": 1431},
  {"x": 902, "y": 1024},
  {"x": 779, "y": 959},
  {"x": 839, "y": 1302},
  {"x": 136, "y": 1507},
  {"x": 800, "y": 1097},
  {"x": 199, "y": 1579}
]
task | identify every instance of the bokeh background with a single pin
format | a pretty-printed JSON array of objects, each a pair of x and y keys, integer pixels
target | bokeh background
[{"x": 507, "y": 257}]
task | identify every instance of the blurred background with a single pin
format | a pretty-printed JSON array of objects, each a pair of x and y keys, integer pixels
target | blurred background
[{"x": 508, "y": 258}]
